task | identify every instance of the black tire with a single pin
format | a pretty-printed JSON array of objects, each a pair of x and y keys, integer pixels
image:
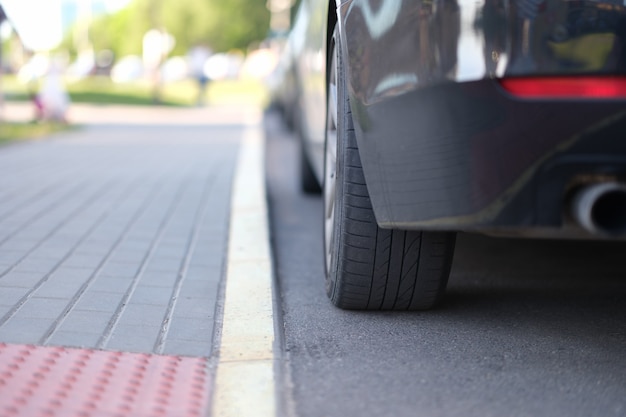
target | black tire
[{"x": 370, "y": 268}]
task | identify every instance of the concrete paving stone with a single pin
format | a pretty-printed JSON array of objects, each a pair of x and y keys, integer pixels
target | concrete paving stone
[
  {"x": 182, "y": 219},
  {"x": 131, "y": 245},
  {"x": 66, "y": 234},
  {"x": 40, "y": 228},
  {"x": 187, "y": 348},
  {"x": 7, "y": 232},
  {"x": 179, "y": 227},
  {"x": 52, "y": 252},
  {"x": 92, "y": 248},
  {"x": 18, "y": 244},
  {"x": 195, "y": 307},
  {"x": 155, "y": 210},
  {"x": 5, "y": 267},
  {"x": 70, "y": 272},
  {"x": 144, "y": 232},
  {"x": 84, "y": 261},
  {"x": 198, "y": 288},
  {"x": 142, "y": 315},
  {"x": 11, "y": 295},
  {"x": 164, "y": 264},
  {"x": 34, "y": 231},
  {"x": 106, "y": 240},
  {"x": 206, "y": 259},
  {"x": 116, "y": 285},
  {"x": 155, "y": 266},
  {"x": 18, "y": 219},
  {"x": 97, "y": 241},
  {"x": 133, "y": 338},
  {"x": 74, "y": 339},
  {"x": 153, "y": 219},
  {"x": 36, "y": 264},
  {"x": 129, "y": 330},
  {"x": 169, "y": 253},
  {"x": 78, "y": 226},
  {"x": 24, "y": 329},
  {"x": 20, "y": 279},
  {"x": 172, "y": 244},
  {"x": 64, "y": 288},
  {"x": 185, "y": 328},
  {"x": 214, "y": 233},
  {"x": 108, "y": 232},
  {"x": 41, "y": 308},
  {"x": 86, "y": 321},
  {"x": 194, "y": 273},
  {"x": 178, "y": 234},
  {"x": 4, "y": 309},
  {"x": 121, "y": 270},
  {"x": 100, "y": 301},
  {"x": 11, "y": 256},
  {"x": 125, "y": 256},
  {"x": 117, "y": 221},
  {"x": 187, "y": 209},
  {"x": 15, "y": 221},
  {"x": 122, "y": 216},
  {"x": 212, "y": 236},
  {"x": 159, "y": 279},
  {"x": 158, "y": 296},
  {"x": 159, "y": 209}
]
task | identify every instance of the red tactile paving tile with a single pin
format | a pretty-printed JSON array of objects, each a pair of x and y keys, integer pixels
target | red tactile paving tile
[{"x": 38, "y": 381}]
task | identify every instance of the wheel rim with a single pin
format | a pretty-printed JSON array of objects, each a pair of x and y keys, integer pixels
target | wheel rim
[{"x": 330, "y": 166}]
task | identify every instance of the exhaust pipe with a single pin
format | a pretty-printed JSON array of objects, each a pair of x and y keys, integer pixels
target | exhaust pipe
[{"x": 601, "y": 208}]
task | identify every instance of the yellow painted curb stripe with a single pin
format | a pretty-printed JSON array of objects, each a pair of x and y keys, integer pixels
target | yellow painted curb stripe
[{"x": 244, "y": 384}]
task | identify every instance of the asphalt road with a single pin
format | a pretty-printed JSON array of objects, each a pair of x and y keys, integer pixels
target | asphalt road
[{"x": 529, "y": 328}]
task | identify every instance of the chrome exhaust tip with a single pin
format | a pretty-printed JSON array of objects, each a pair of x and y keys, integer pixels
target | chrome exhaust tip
[{"x": 601, "y": 208}]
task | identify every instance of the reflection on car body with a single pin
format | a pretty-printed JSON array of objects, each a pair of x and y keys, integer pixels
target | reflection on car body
[{"x": 499, "y": 116}]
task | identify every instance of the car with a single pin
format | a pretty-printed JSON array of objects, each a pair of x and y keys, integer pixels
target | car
[
  {"x": 282, "y": 85},
  {"x": 422, "y": 119}
]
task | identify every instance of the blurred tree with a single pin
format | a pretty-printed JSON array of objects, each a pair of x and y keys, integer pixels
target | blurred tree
[
  {"x": 188, "y": 21},
  {"x": 121, "y": 32},
  {"x": 237, "y": 23},
  {"x": 221, "y": 25}
]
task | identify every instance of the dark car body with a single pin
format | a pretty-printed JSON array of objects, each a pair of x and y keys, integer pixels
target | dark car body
[
  {"x": 443, "y": 144},
  {"x": 423, "y": 118}
]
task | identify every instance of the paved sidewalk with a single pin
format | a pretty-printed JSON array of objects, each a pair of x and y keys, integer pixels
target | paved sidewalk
[
  {"x": 94, "y": 114},
  {"x": 113, "y": 237}
]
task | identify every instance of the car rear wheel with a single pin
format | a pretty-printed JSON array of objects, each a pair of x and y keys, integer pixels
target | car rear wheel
[{"x": 367, "y": 267}]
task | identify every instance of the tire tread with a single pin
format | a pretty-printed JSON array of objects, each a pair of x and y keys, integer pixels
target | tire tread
[{"x": 375, "y": 268}]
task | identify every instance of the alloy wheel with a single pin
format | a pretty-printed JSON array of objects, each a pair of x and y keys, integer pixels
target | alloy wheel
[{"x": 330, "y": 161}]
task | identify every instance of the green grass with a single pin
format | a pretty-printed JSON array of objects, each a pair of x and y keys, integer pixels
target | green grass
[
  {"x": 12, "y": 131},
  {"x": 101, "y": 90}
]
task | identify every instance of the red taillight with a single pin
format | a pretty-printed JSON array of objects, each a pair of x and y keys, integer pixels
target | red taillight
[{"x": 566, "y": 87}]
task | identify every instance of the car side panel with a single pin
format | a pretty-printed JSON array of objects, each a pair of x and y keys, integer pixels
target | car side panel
[{"x": 311, "y": 70}]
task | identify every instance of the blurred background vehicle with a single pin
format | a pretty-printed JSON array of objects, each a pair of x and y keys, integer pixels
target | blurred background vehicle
[{"x": 283, "y": 82}]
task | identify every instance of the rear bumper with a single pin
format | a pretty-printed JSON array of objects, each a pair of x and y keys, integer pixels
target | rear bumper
[
  {"x": 444, "y": 147},
  {"x": 468, "y": 156}
]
